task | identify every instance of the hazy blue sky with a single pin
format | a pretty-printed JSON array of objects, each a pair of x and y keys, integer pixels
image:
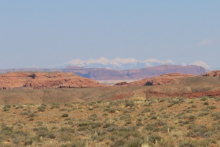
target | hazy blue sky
[{"x": 44, "y": 33}]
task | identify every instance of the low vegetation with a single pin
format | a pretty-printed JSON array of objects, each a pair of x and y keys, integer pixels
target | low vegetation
[{"x": 173, "y": 122}]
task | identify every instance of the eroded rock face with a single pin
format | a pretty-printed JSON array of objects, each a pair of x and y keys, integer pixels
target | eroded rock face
[
  {"x": 37, "y": 80},
  {"x": 161, "y": 80}
]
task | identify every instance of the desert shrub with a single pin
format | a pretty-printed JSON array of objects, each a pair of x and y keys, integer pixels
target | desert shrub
[
  {"x": 6, "y": 108},
  {"x": 125, "y": 117},
  {"x": 128, "y": 122},
  {"x": 19, "y": 107},
  {"x": 203, "y": 114},
  {"x": 180, "y": 115},
  {"x": 119, "y": 142},
  {"x": 93, "y": 117},
  {"x": 211, "y": 107},
  {"x": 108, "y": 125},
  {"x": 216, "y": 116},
  {"x": 191, "y": 102},
  {"x": 183, "y": 122},
  {"x": 154, "y": 138},
  {"x": 55, "y": 105},
  {"x": 95, "y": 125},
  {"x": 146, "y": 110},
  {"x": 75, "y": 143},
  {"x": 64, "y": 137},
  {"x": 127, "y": 132},
  {"x": 6, "y": 130},
  {"x": 39, "y": 123},
  {"x": 112, "y": 128},
  {"x": 206, "y": 103},
  {"x": 65, "y": 115},
  {"x": 67, "y": 129},
  {"x": 19, "y": 136},
  {"x": 155, "y": 127},
  {"x": 129, "y": 103},
  {"x": 68, "y": 105},
  {"x": 32, "y": 115},
  {"x": 83, "y": 124},
  {"x": 175, "y": 101},
  {"x": 133, "y": 143},
  {"x": 41, "y": 108},
  {"x": 23, "y": 113},
  {"x": 139, "y": 124},
  {"x": 52, "y": 135},
  {"x": 98, "y": 135},
  {"x": 31, "y": 119},
  {"x": 161, "y": 100},
  {"x": 203, "y": 98},
  {"x": 111, "y": 110},
  {"x": 41, "y": 131},
  {"x": 63, "y": 109},
  {"x": 190, "y": 118},
  {"x": 28, "y": 142},
  {"x": 200, "y": 131},
  {"x": 105, "y": 114},
  {"x": 193, "y": 106},
  {"x": 194, "y": 143}
]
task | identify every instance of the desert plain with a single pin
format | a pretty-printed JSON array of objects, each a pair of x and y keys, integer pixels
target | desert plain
[{"x": 66, "y": 110}]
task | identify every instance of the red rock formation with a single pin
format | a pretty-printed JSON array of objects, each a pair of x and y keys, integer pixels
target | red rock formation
[
  {"x": 205, "y": 93},
  {"x": 161, "y": 80},
  {"x": 215, "y": 73},
  {"x": 38, "y": 80}
]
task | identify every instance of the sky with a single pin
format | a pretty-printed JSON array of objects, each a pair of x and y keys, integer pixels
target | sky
[{"x": 48, "y": 33}]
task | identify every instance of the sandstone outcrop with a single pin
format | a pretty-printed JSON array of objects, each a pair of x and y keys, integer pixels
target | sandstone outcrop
[
  {"x": 161, "y": 80},
  {"x": 37, "y": 80}
]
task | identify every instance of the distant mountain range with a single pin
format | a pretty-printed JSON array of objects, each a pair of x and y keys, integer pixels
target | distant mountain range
[
  {"x": 123, "y": 64},
  {"x": 121, "y": 69},
  {"x": 134, "y": 74},
  {"x": 111, "y": 74}
]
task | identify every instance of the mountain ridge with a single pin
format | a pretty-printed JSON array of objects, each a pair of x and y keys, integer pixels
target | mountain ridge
[{"x": 111, "y": 74}]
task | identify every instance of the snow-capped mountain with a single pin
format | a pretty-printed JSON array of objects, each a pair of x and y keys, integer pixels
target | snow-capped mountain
[
  {"x": 117, "y": 63},
  {"x": 123, "y": 64}
]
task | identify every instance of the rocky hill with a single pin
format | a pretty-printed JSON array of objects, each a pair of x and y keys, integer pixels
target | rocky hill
[{"x": 37, "y": 80}]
